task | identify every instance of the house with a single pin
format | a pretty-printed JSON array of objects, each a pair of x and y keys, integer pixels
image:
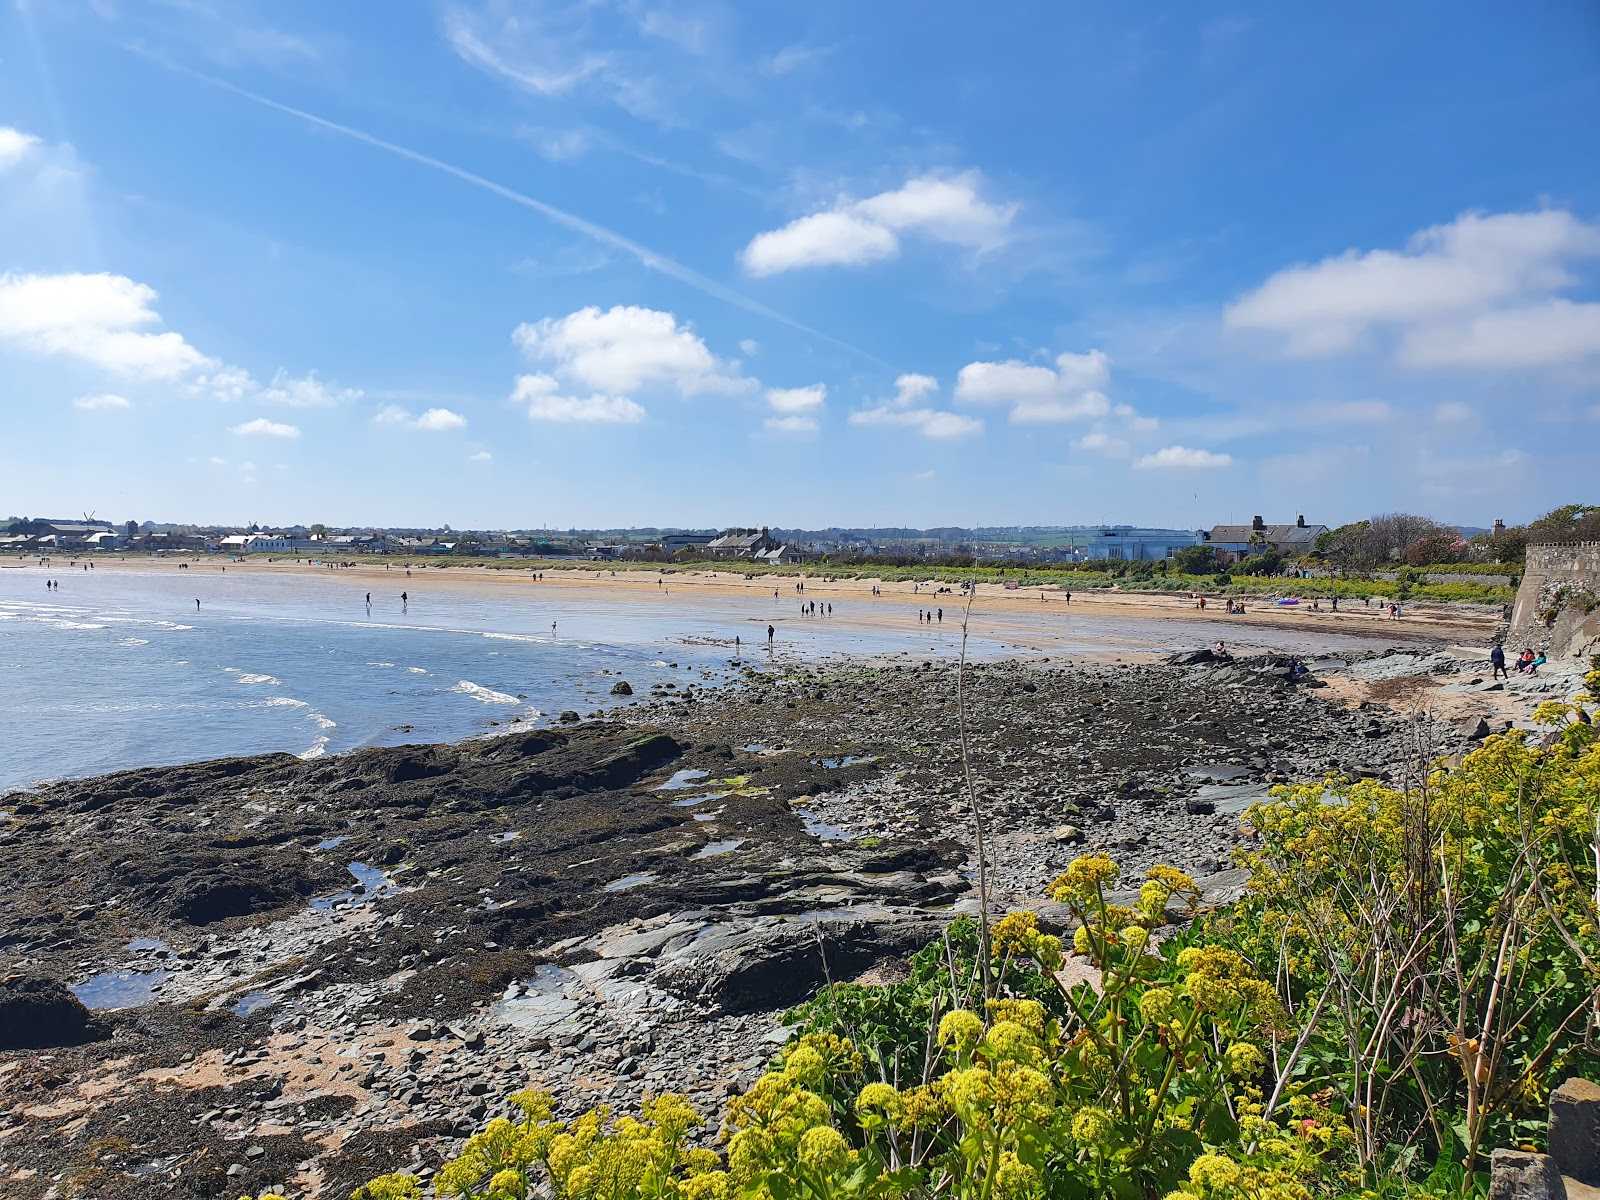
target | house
[
  {"x": 781, "y": 556},
  {"x": 742, "y": 543},
  {"x": 257, "y": 543},
  {"x": 1233, "y": 542},
  {"x": 674, "y": 542}
]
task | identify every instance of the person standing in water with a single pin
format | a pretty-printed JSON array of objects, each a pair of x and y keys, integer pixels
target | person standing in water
[{"x": 770, "y": 632}]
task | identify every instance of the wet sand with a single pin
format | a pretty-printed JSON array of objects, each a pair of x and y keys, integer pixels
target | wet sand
[{"x": 1095, "y": 623}]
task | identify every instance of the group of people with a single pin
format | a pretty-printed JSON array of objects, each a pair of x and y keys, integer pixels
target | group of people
[
  {"x": 812, "y": 609},
  {"x": 928, "y": 616},
  {"x": 1527, "y": 662}
]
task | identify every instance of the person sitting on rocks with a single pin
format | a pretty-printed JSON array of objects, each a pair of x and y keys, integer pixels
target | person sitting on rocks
[{"x": 1525, "y": 662}]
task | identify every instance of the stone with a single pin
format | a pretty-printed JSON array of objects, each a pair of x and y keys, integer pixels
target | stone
[
  {"x": 622, "y": 688},
  {"x": 1067, "y": 835},
  {"x": 40, "y": 1013},
  {"x": 569, "y": 717},
  {"x": 1575, "y": 1130},
  {"x": 1516, "y": 1175},
  {"x": 1480, "y": 730}
]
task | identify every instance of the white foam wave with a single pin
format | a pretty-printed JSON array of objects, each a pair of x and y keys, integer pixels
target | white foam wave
[
  {"x": 488, "y": 695},
  {"x": 257, "y": 679},
  {"x": 133, "y": 641},
  {"x": 280, "y": 702},
  {"x": 380, "y": 664},
  {"x": 417, "y": 670},
  {"x": 321, "y": 722},
  {"x": 319, "y": 749},
  {"x": 515, "y": 637}
]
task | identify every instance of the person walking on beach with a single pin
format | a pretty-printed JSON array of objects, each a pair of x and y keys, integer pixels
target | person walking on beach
[
  {"x": 197, "y": 606},
  {"x": 1497, "y": 659},
  {"x": 770, "y": 632},
  {"x": 369, "y": 599},
  {"x": 1069, "y": 597},
  {"x": 404, "y": 599},
  {"x": 941, "y": 616}
]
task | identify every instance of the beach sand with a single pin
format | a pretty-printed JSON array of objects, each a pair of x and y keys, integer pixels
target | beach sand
[{"x": 1040, "y": 620}]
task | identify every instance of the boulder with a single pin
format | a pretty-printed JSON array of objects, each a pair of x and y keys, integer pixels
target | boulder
[
  {"x": 622, "y": 688},
  {"x": 205, "y": 899},
  {"x": 1516, "y": 1175},
  {"x": 40, "y": 1013},
  {"x": 1575, "y": 1130}
]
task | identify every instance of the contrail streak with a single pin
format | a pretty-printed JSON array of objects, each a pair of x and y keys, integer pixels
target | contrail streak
[{"x": 599, "y": 233}]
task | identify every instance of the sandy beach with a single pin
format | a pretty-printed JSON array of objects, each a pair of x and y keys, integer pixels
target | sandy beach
[{"x": 1040, "y": 620}]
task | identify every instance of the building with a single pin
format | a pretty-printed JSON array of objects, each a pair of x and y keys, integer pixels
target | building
[
  {"x": 1233, "y": 542},
  {"x": 257, "y": 543},
  {"x": 742, "y": 543},
  {"x": 673, "y": 542},
  {"x": 782, "y": 556},
  {"x": 1117, "y": 543}
]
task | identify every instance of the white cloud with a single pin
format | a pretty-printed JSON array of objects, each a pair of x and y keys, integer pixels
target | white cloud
[
  {"x": 261, "y": 427},
  {"x": 827, "y": 239},
  {"x": 749, "y": 347},
  {"x": 553, "y": 76},
  {"x": 854, "y": 232},
  {"x": 14, "y": 144},
  {"x": 433, "y": 420},
  {"x": 928, "y": 422},
  {"x": 1181, "y": 457},
  {"x": 1067, "y": 392},
  {"x": 230, "y": 384},
  {"x": 104, "y": 400},
  {"x": 541, "y": 395},
  {"x": 797, "y": 400},
  {"x": 309, "y": 392},
  {"x": 624, "y": 348},
  {"x": 791, "y": 57},
  {"x": 1537, "y": 335},
  {"x": 1452, "y": 413},
  {"x": 95, "y": 318},
  {"x": 908, "y": 389},
  {"x": 1478, "y": 292},
  {"x": 1102, "y": 442},
  {"x": 792, "y": 424},
  {"x": 480, "y": 456}
]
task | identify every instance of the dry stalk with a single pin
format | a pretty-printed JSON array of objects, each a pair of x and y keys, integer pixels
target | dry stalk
[{"x": 972, "y": 799}]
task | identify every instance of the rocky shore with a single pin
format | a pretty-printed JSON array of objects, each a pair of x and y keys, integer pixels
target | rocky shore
[{"x": 305, "y": 973}]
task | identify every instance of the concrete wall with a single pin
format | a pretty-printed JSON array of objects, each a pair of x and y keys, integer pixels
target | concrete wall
[{"x": 1549, "y": 567}]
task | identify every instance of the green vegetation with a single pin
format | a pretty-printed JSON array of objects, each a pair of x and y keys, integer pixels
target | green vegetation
[{"x": 1408, "y": 975}]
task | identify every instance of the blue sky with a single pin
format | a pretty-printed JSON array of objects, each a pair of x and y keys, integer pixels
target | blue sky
[{"x": 504, "y": 264}]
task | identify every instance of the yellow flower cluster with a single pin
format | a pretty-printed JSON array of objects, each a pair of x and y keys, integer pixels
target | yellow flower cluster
[
  {"x": 1018, "y": 933},
  {"x": 1084, "y": 879},
  {"x": 1219, "y": 980},
  {"x": 389, "y": 1187}
]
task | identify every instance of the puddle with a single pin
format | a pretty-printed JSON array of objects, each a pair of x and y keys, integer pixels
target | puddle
[
  {"x": 630, "y": 881},
  {"x": 148, "y": 944},
  {"x": 251, "y": 1002},
  {"x": 710, "y": 816},
  {"x": 370, "y": 884},
  {"x": 119, "y": 989},
  {"x": 712, "y": 849},
  {"x": 509, "y": 835},
  {"x": 330, "y": 843},
  {"x": 693, "y": 800},
  {"x": 823, "y": 830},
  {"x": 833, "y": 764},
  {"x": 682, "y": 779}
]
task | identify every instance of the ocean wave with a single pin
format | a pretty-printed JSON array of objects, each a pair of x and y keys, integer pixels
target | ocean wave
[
  {"x": 417, "y": 670},
  {"x": 516, "y": 637},
  {"x": 280, "y": 702},
  {"x": 319, "y": 749},
  {"x": 258, "y": 679},
  {"x": 488, "y": 695},
  {"x": 380, "y": 664},
  {"x": 133, "y": 641},
  {"x": 322, "y": 722}
]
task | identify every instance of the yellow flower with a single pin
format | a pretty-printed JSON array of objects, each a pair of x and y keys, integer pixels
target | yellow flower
[
  {"x": 1215, "y": 1172},
  {"x": 1244, "y": 1060},
  {"x": 1092, "y": 1126},
  {"x": 748, "y": 1153},
  {"x": 1157, "y": 1006},
  {"x": 1029, "y": 1014},
  {"x": 882, "y": 1097},
  {"x": 960, "y": 1028},
  {"x": 824, "y": 1149},
  {"x": 1015, "y": 1180},
  {"x": 804, "y": 1065},
  {"x": 1008, "y": 1040},
  {"x": 507, "y": 1185},
  {"x": 713, "y": 1185},
  {"x": 1082, "y": 881},
  {"x": 390, "y": 1187}
]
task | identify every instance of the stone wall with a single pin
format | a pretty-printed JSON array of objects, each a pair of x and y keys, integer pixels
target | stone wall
[{"x": 1569, "y": 630}]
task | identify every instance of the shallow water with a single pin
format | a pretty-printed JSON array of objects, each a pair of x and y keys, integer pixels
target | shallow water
[
  {"x": 119, "y": 989},
  {"x": 117, "y": 668}
]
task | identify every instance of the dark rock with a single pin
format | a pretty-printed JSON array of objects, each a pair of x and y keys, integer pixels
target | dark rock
[
  {"x": 569, "y": 717},
  {"x": 40, "y": 1013},
  {"x": 622, "y": 688},
  {"x": 1515, "y": 1175},
  {"x": 1575, "y": 1130},
  {"x": 1480, "y": 730},
  {"x": 206, "y": 899}
]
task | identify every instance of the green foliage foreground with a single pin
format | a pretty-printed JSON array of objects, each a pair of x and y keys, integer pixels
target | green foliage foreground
[{"x": 1408, "y": 975}]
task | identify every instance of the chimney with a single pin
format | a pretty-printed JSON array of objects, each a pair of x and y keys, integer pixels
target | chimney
[
  {"x": 1499, "y": 527},
  {"x": 1257, "y": 523},
  {"x": 1299, "y": 522}
]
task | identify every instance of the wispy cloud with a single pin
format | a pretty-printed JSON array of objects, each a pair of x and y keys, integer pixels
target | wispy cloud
[
  {"x": 1180, "y": 458},
  {"x": 261, "y": 427},
  {"x": 608, "y": 237}
]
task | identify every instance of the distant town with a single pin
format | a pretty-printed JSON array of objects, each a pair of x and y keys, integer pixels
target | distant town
[{"x": 1385, "y": 538}]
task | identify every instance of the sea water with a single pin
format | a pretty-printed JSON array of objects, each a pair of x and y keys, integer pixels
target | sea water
[{"x": 117, "y": 668}]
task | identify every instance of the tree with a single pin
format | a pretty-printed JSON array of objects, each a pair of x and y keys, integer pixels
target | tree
[
  {"x": 1196, "y": 560},
  {"x": 319, "y": 530}
]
